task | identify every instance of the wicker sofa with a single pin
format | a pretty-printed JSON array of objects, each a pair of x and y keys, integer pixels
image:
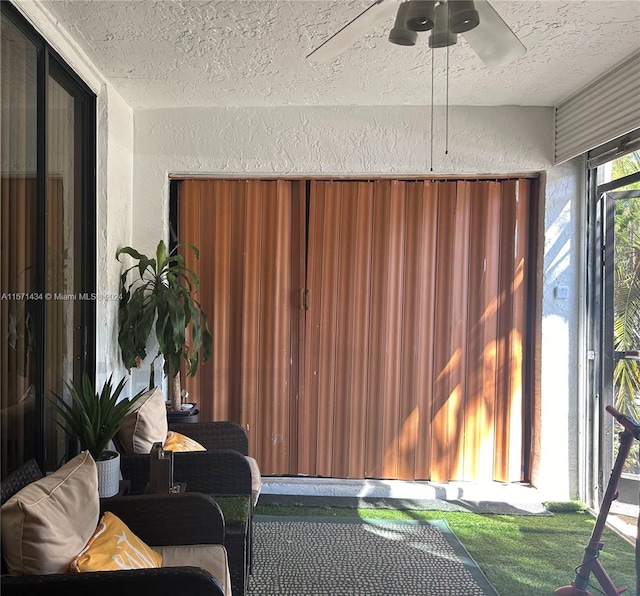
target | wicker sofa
[{"x": 176, "y": 525}]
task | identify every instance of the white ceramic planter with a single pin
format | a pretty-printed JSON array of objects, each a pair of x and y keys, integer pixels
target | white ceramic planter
[{"x": 108, "y": 474}]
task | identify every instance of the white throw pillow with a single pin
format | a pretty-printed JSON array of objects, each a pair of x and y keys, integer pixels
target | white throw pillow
[
  {"x": 145, "y": 425},
  {"x": 47, "y": 523}
]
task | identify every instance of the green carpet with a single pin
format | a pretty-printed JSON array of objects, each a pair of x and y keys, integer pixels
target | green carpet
[
  {"x": 301, "y": 556},
  {"x": 400, "y": 504}
]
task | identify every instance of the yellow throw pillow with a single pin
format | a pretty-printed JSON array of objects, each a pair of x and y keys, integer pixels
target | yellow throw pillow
[
  {"x": 177, "y": 442},
  {"x": 114, "y": 546}
]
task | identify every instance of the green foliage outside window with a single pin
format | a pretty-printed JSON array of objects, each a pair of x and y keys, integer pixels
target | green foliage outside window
[
  {"x": 626, "y": 324},
  {"x": 626, "y": 327}
]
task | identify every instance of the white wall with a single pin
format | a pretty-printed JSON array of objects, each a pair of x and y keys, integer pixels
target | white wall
[
  {"x": 383, "y": 141},
  {"x": 115, "y": 180},
  {"x": 326, "y": 141},
  {"x": 113, "y": 184},
  {"x": 563, "y": 352}
]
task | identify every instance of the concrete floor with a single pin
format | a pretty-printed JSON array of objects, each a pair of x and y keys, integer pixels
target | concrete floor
[
  {"x": 624, "y": 519},
  {"x": 399, "y": 489}
]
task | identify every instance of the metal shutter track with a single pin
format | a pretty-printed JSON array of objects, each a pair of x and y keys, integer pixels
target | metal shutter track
[{"x": 605, "y": 110}]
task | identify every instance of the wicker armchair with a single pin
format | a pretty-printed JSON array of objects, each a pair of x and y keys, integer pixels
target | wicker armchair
[
  {"x": 26, "y": 474},
  {"x": 217, "y": 436},
  {"x": 224, "y": 470},
  {"x": 221, "y": 470},
  {"x": 160, "y": 520}
]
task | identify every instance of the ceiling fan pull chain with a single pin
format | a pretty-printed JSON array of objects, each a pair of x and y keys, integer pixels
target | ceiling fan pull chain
[
  {"x": 446, "y": 116},
  {"x": 432, "y": 81}
]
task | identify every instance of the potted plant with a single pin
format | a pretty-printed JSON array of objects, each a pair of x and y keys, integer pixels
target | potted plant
[
  {"x": 95, "y": 419},
  {"x": 163, "y": 292}
]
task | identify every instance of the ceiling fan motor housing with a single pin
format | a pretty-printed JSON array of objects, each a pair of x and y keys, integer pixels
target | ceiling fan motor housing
[
  {"x": 442, "y": 36},
  {"x": 420, "y": 15},
  {"x": 462, "y": 16},
  {"x": 400, "y": 34}
]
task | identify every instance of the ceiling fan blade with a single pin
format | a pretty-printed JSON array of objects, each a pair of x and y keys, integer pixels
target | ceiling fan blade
[
  {"x": 492, "y": 39},
  {"x": 375, "y": 14}
]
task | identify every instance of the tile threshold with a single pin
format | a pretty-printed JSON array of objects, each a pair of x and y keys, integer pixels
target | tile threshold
[{"x": 398, "y": 489}]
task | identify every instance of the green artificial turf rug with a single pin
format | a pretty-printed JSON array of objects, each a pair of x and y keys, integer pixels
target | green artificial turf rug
[{"x": 301, "y": 556}]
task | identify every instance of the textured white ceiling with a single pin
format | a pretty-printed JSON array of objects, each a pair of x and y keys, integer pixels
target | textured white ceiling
[{"x": 170, "y": 53}]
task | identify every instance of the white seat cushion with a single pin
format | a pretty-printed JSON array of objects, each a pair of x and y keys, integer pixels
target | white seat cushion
[
  {"x": 256, "y": 479},
  {"x": 210, "y": 557}
]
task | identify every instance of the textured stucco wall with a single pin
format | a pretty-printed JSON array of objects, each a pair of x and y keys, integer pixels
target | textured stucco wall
[
  {"x": 326, "y": 141},
  {"x": 562, "y": 346},
  {"x": 384, "y": 141},
  {"x": 115, "y": 180}
]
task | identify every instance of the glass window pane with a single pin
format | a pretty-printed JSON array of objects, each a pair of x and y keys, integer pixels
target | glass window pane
[
  {"x": 62, "y": 310},
  {"x": 18, "y": 68},
  {"x": 47, "y": 241},
  {"x": 626, "y": 296},
  {"x": 619, "y": 168}
]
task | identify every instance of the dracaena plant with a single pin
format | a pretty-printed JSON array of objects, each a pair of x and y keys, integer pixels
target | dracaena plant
[
  {"x": 160, "y": 298},
  {"x": 94, "y": 418}
]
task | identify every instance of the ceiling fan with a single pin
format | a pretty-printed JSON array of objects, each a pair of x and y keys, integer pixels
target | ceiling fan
[{"x": 483, "y": 28}]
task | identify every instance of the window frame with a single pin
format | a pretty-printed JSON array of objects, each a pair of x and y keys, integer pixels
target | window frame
[
  {"x": 50, "y": 63},
  {"x": 600, "y": 284}
]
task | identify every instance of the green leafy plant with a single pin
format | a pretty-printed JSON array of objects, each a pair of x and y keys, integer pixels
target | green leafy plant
[
  {"x": 94, "y": 418},
  {"x": 163, "y": 293}
]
